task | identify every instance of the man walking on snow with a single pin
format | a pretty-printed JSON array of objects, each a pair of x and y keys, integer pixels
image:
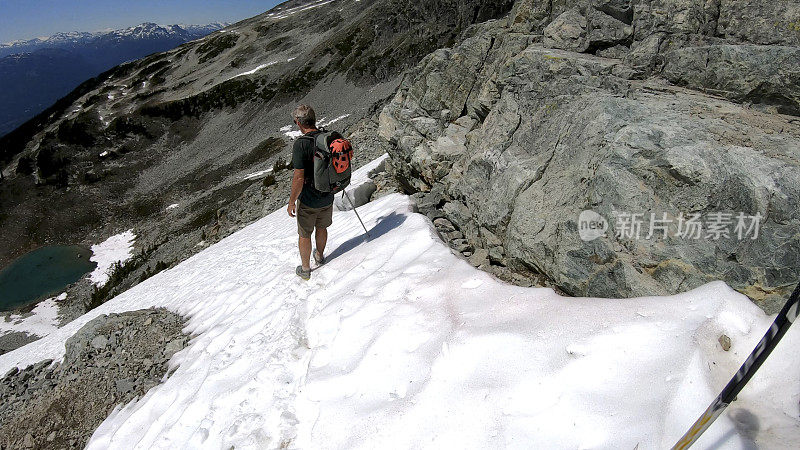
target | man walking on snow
[{"x": 314, "y": 209}]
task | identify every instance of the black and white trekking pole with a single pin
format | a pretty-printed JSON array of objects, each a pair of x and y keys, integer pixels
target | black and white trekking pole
[
  {"x": 779, "y": 327},
  {"x": 344, "y": 194}
]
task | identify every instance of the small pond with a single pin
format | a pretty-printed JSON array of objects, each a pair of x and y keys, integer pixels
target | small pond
[{"x": 43, "y": 272}]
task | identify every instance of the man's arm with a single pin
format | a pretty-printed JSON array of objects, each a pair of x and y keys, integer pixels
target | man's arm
[{"x": 297, "y": 187}]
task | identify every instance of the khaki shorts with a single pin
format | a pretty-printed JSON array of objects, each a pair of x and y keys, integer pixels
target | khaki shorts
[{"x": 310, "y": 218}]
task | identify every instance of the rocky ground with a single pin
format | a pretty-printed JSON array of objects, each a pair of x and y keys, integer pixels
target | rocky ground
[{"x": 111, "y": 361}]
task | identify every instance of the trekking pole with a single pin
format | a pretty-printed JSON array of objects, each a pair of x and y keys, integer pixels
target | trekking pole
[
  {"x": 779, "y": 327},
  {"x": 344, "y": 194}
]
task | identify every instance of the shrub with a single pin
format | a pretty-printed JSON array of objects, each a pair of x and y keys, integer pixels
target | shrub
[
  {"x": 216, "y": 45},
  {"x": 281, "y": 164},
  {"x": 25, "y": 165}
]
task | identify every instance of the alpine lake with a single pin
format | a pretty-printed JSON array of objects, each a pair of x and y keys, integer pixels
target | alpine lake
[{"x": 43, "y": 272}]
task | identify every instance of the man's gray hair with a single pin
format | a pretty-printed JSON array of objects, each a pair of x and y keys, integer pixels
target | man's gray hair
[{"x": 305, "y": 116}]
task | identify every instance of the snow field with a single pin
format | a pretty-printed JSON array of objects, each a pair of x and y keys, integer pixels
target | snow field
[
  {"x": 289, "y": 132},
  {"x": 117, "y": 248},
  {"x": 397, "y": 343},
  {"x": 42, "y": 321}
]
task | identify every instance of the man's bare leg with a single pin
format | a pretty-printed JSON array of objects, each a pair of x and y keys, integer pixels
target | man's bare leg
[
  {"x": 305, "y": 252},
  {"x": 321, "y": 236}
]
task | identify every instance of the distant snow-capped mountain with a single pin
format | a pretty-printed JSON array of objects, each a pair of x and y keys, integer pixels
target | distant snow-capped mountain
[
  {"x": 36, "y": 72},
  {"x": 144, "y": 31}
]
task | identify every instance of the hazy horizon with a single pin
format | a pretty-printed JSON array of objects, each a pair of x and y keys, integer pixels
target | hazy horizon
[{"x": 25, "y": 20}]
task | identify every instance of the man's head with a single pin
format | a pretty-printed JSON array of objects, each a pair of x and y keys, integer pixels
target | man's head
[{"x": 304, "y": 117}]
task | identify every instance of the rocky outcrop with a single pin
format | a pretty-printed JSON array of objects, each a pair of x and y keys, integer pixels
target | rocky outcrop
[
  {"x": 510, "y": 139},
  {"x": 726, "y": 48},
  {"x": 110, "y": 361}
]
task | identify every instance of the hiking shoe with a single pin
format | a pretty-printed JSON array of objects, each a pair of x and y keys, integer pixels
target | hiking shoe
[
  {"x": 318, "y": 257},
  {"x": 304, "y": 274}
]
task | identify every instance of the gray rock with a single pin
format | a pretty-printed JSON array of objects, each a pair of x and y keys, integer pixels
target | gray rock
[
  {"x": 460, "y": 245},
  {"x": 757, "y": 74},
  {"x": 124, "y": 386},
  {"x": 100, "y": 342},
  {"x": 173, "y": 347},
  {"x": 758, "y": 22},
  {"x": 605, "y": 31},
  {"x": 561, "y": 132},
  {"x": 490, "y": 238},
  {"x": 453, "y": 235},
  {"x": 89, "y": 381},
  {"x": 479, "y": 257},
  {"x": 567, "y": 32},
  {"x": 496, "y": 255},
  {"x": 725, "y": 342},
  {"x": 443, "y": 225}
]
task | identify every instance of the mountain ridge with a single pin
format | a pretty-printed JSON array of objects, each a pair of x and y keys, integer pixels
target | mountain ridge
[
  {"x": 142, "y": 30},
  {"x": 33, "y": 78}
]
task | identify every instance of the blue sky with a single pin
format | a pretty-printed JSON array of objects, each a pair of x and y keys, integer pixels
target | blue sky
[{"x": 27, "y": 19}]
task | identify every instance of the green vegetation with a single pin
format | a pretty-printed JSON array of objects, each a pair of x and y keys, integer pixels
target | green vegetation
[
  {"x": 130, "y": 125},
  {"x": 269, "y": 180},
  {"x": 215, "y": 46},
  {"x": 79, "y": 131},
  {"x": 281, "y": 164},
  {"x": 148, "y": 272},
  {"x": 52, "y": 165},
  {"x": 118, "y": 273},
  {"x": 25, "y": 165},
  {"x": 153, "y": 68},
  {"x": 230, "y": 94}
]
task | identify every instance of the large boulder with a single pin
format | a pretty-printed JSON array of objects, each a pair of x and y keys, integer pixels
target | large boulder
[
  {"x": 758, "y": 74},
  {"x": 523, "y": 139}
]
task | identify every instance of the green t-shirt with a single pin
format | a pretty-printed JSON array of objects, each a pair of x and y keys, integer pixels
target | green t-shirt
[{"x": 303, "y": 158}]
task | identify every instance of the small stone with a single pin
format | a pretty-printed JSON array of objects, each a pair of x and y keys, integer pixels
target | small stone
[
  {"x": 435, "y": 214},
  {"x": 490, "y": 238},
  {"x": 725, "y": 342},
  {"x": 42, "y": 364},
  {"x": 51, "y": 437},
  {"x": 27, "y": 442},
  {"x": 443, "y": 225},
  {"x": 124, "y": 386},
  {"x": 12, "y": 372},
  {"x": 460, "y": 245},
  {"x": 171, "y": 348},
  {"x": 479, "y": 257},
  {"x": 99, "y": 342},
  {"x": 455, "y": 235},
  {"x": 467, "y": 254},
  {"x": 496, "y": 255}
]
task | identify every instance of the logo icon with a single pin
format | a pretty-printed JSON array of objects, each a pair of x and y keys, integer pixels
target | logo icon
[{"x": 591, "y": 225}]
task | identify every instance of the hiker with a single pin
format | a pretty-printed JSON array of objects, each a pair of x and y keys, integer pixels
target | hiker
[{"x": 313, "y": 209}]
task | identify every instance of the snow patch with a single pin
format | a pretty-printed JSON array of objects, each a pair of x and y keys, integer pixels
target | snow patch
[
  {"x": 42, "y": 321},
  {"x": 291, "y": 134},
  {"x": 260, "y": 173},
  {"x": 250, "y": 72},
  {"x": 117, "y": 248},
  {"x": 393, "y": 343},
  {"x": 324, "y": 123},
  {"x": 291, "y": 11},
  {"x": 294, "y": 134}
]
